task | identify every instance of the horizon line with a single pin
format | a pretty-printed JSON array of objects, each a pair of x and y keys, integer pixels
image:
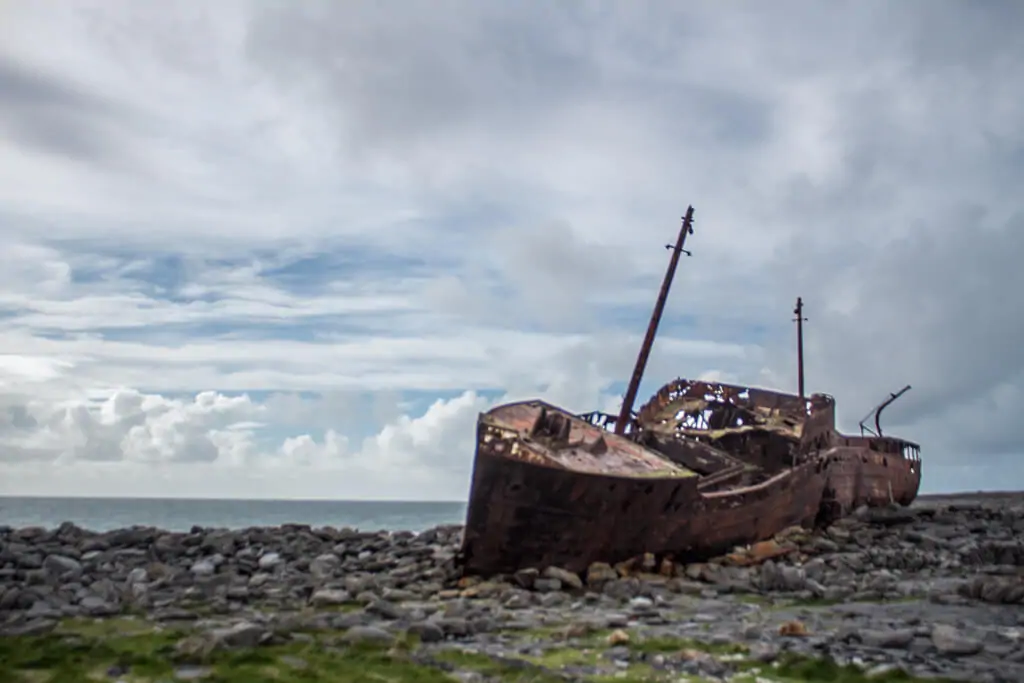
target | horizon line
[{"x": 232, "y": 499}]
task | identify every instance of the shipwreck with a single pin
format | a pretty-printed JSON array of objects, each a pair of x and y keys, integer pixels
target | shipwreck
[{"x": 700, "y": 468}]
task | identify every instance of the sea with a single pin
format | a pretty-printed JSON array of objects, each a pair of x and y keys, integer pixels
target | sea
[{"x": 178, "y": 514}]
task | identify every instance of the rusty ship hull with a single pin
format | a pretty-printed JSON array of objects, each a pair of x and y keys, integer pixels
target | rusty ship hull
[
  {"x": 551, "y": 489},
  {"x": 873, "y": 472},
  {"x": 703, "y": 468}
]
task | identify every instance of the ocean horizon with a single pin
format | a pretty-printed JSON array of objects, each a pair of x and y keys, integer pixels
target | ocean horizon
[{"x": 181, "y": 514}]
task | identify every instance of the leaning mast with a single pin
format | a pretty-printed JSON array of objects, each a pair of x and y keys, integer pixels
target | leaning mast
[{"x": 652, "y": 327}]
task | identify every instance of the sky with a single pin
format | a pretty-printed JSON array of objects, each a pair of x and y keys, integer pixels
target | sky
[{"x": 292, "y": 250}]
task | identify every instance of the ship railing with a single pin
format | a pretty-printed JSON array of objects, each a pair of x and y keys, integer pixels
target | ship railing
[
  {"x": 607, "y": 422},
  {"x": 722, "y": 476}
]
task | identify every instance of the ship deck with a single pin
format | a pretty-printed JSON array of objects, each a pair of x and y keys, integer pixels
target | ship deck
[{"x": 543, "y": 434}]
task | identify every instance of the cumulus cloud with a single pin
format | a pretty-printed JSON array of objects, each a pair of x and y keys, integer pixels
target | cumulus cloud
[{"x": 259, "y": 249}]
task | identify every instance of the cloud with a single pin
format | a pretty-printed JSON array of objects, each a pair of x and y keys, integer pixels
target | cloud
[{"x": 260, "y": 249}]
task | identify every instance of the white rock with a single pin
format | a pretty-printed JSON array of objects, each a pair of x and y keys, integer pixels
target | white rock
[{"x": 269, "y": 561}]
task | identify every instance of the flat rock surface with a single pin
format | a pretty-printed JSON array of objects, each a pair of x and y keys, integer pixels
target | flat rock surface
[{"x": 934, "y": 590}]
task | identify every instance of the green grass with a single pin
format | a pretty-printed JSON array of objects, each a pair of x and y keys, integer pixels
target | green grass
[
  {"x": 768, "y": 602},
  {"x": 65, "y": 658},
  {"x": 151, "y": 656},
  {"x": 350, "y": 606},
  {"x": 794, "y": 668},
  {"x": 584, "y": 651},
  {"x": 507, "y": 670},
  {"x": 325, "y": 665},
  {"x": 671, "y": 645},
  {"x": 106, "y": 628}
]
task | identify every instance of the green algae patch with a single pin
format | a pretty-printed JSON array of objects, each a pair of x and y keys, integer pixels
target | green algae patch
[
  {"x": 505, "y": 669},
  {"x": 636, "y": 675},
  {"x": 312, "y": 663},
  {"x": 342, "y": 607},
  {"x": 672, "y": 645},
  {"x": 64, "y": 658},
  {"x": 794, "y": 668},
  {"x": 554, "y": 664},
  {"x": 153, "y": 656},
  {"x": 566, "y": 632},
  {"x": 639, "y": 673},
  {"x": 812, "y": 603},
  {"x": 551, "y": 631},
  {"x": 136, "y": 651},
  {"x": 561, "y": 657},
  {"x": 107, "y": 627},
  {"x": 345, "y": 607}
]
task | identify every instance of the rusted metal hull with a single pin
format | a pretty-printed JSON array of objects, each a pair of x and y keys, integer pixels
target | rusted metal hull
[
  {"x": 860, "y": 476},
  {"x": 527, "y": 511}
]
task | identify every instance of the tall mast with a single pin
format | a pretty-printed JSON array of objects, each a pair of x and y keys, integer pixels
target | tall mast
[
  {"x": 799, "y": 312},
  {"x": 652, "y": 327}
]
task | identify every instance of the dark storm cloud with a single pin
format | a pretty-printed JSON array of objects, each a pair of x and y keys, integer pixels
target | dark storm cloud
[
  {"x": 404, "y": 75},
  {"x": 43, "y": 112},
  {"x": 454, "y": 68},
  {"x": 941, "y": 311},
  {"x": 961, "y": 33},
  {"x": 16, "y": 417}
]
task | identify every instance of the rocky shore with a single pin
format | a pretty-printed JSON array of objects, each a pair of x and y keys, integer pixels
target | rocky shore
[{"x": 929, "y": 592}]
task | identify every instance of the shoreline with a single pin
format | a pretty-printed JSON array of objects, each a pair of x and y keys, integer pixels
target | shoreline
[
  {"x": 932, "y": 590},
  {"x": 923, "y": 500}
]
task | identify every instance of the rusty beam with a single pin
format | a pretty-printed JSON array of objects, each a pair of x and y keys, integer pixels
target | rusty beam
[
  {"x": 652, "y": 327},
  {"x": 877, "y": 412},
  {"x": 800, "y": 319}
]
